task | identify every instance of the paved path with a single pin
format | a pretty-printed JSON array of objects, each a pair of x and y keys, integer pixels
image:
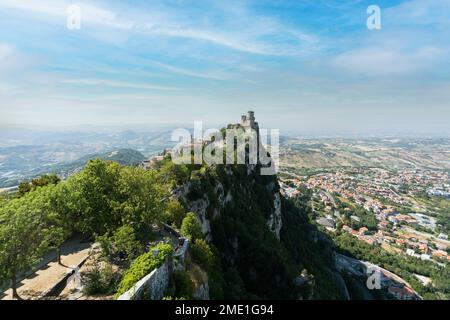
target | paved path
[{"x": 49, "y": 272}]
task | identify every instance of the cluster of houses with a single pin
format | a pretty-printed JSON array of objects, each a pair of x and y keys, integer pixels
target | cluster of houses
[
  {"x": 362, "y": 235},
  {"x": 389, "y": 220},
  {"x": 420, "y": 247},
  {"x": 439, "y": 192},
  {"x": 414, "y": 244}
]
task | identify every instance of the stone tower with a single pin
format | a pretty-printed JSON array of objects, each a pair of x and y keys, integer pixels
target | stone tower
[{"x": 248, "y": 121}]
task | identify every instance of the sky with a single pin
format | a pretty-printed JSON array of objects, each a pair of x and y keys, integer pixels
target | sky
[{"x": 304, "y": 66}]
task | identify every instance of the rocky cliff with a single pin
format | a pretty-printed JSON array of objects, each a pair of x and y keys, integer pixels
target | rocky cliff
[{"x": 266, "y": 245}]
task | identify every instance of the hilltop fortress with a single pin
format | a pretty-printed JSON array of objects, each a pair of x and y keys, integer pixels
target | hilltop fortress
[
  {"x": 239, "y": 143},
  {"x": 250, "y": 135}
]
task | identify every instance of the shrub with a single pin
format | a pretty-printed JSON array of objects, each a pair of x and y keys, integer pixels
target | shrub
[
  {"x": 143, "y": 265},
  {"x": 175, "y": 212},
  {"x": 122, "y": 244},
  {"x": 173, "y": 174},
  {"x": 183, "y": 285},
  {"x": 191, "y": 228},
  {"x": 99, "y": 281},
  {"x": 202, "y": 254},
  {"x": 125, "y": 242}
]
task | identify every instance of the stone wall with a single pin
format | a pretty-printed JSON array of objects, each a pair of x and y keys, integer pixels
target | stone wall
[
  {"x": 155, "y": 284},
  {"x": 152, "y": 286}
]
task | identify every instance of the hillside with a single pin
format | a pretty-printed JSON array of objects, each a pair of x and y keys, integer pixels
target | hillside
[
  {"x": 246, "y": 240},
  {"x": 27, "y": 153},
  {"x": 121, "y": 156},
  {"x": 64, "y": 169},
  {"x": 267, "y": 247},
  {"x": 375, "y": 152}
]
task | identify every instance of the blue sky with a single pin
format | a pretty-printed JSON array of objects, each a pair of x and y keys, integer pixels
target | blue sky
[{"x": 308, "y": 66}]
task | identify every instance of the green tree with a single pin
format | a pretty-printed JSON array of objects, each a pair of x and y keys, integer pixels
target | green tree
[
  {"x": 175, "y": 212},
  {"x": 139, "y": 197},
  {"x": 96, "y": 186},
  {"x": 183, "y": 285},
  {"x": 63, "y": 205},
  {"x": 173, "y": 174},
  {"x": 42, "y": 181},
  {"x": 24, "y": 236},
  {"x": 191, "y": 228},
  {"x": 111, "y": 195},
  {"x": 202, "y": 253},
  {"x": 45, "y": 180},
  {"x": 24, "y": 188},
  {"x": 122, "y": 243}
]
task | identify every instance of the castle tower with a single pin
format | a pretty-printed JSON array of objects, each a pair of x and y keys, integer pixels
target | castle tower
[{"x": 248, "y": 121}]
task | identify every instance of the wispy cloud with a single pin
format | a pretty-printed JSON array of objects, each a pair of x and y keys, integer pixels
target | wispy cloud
[
  {"x": 8, "y": 89},
  {"x": 226, "y": 40},
  {"x": 247, "y": 33},
  {"x": 115, "y": 84},
  {"x": 191, "y": 73},
  {"x": 5, "y": 50},
  {"x": 419, "y": 13},
  {"x": 311, "y": 59},
  {"x": 384, "y": 61},
  {"x": 90, "y": 13}
]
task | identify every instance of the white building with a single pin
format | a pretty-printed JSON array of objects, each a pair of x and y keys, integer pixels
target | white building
[{"x": 443, "y": 236}]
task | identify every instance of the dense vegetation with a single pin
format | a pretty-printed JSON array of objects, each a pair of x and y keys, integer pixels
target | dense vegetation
[
  {"x": 105, "y": 200},
  {"x": 119, "y": 206},
  {"x": 253, "y": 262}
]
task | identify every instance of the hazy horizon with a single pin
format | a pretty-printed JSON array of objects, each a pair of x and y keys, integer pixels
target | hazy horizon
[{"x": 320, "y": 133}]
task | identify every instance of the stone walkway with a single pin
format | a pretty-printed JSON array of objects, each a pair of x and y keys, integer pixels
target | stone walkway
[{"x": 49, "y": 272}]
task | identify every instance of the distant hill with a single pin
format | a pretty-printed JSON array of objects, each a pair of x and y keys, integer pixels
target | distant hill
[
  {"x": 124, "y": 156},
  {"x": 26, "y": 153},
  {"x": 387, "y": 153}
]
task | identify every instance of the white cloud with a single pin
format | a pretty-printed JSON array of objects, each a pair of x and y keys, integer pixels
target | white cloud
[
  {"x": 116, "y": 84},
  {"x": 419, "y": 12},
  {"x": 5, "y": 50},
  {"x": 89, "y": 13},
  {"x": 6, "y": 88},
  {"x": 212, "y": 37},
  {"x": 196, "y": 74},
  {"x": 240, "y": 30},
  {"x": 385, "y": 60}
]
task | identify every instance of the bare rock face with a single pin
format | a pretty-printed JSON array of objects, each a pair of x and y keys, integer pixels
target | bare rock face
[
  {"x": 220, "y": 193},
  {"x": 275, "y": 222},
  {"x": 202, "y": 292},
  {"x": 228, "y": 198},
  {"x": 200, "y": 207}
]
